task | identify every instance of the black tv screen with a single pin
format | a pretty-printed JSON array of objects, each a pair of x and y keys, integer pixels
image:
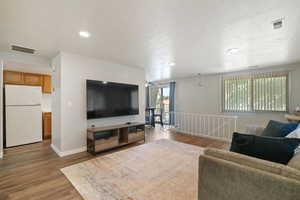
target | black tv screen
[{"x": 108, "y": 99}]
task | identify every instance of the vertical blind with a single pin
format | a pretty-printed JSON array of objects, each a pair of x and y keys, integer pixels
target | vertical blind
[{"x": 256, "y": 92}]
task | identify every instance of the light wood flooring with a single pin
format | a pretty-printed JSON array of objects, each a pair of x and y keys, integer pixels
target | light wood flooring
[{"x": 33, "y": 171}]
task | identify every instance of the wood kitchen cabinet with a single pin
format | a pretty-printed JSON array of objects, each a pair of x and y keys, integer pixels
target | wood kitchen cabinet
[
  {"x": 47, "y": 120},
  {"x": 12, "y": 77},
  {"x": 30, "y": 79},
  {"x": 47, "y": 86},
  {"x": 33, "y": 79}
]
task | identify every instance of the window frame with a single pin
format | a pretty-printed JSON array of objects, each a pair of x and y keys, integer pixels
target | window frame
[{"x": 252, "y": 78}]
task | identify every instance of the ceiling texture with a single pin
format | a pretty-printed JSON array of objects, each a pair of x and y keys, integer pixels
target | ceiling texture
[{"x": 152, "y": 34}]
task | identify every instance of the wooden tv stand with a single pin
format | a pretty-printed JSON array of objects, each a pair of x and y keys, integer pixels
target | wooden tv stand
[{"x": 108, "y": 137}]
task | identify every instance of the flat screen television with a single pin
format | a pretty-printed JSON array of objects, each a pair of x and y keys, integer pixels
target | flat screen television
[{"x": 108, "y": 99}]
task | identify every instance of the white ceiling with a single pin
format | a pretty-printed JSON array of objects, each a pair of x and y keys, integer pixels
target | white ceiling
[{"x": 195, "y": 34}]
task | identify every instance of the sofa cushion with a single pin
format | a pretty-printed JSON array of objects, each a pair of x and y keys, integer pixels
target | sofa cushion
[
  {"x": 295, "y": 161},
  {"x": 290, "y": 172},
  {"x": 223, "y": 180},
  {"x": 295, "y": 134},
  {"x": 254, "y": 163},
  {"x": 275, "y": 149},
  {"x": 245, "y": 160},
  {"x": 279, "y": 129}
]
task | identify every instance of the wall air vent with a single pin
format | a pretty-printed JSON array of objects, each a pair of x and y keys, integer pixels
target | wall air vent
[
  {"x": 22, "y": 49},
  {"x": 277, "y": 24}
]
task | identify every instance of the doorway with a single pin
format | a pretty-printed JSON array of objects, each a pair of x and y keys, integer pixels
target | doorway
[{"x": 159, "y": 98}]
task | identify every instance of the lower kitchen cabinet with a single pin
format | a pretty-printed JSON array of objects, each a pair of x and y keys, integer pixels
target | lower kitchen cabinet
[{"x": 47, "y": 118}]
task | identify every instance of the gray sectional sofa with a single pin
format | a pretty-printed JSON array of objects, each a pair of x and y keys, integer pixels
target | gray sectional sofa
[{"x": 225, "y": 175}]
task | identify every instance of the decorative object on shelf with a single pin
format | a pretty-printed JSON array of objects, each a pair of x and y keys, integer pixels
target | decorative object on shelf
[{"x": 293, "y": 118}]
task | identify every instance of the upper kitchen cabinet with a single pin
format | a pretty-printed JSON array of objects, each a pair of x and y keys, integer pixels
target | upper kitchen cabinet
[
  {"x": 47, "y": 87},
  {"x": 12, "y": 77},
  {"x": 33, "y": 79},
  {"x": 30, "y": 79}
]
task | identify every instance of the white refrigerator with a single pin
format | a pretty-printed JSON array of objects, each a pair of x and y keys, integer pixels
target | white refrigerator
[{"x": 23, "y": 115}]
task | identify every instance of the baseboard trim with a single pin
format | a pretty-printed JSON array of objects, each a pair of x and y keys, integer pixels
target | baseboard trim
[
  {"x": 55, "y": 149},
  {"x": 67, "y": 153},
  {"x": 73, "y": 151}
]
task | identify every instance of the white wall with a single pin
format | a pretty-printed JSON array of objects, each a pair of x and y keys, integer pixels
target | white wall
[
  {"x": 207, "y": 100},
  {"x": 21, "y": 61},
  {"x": 46, "y": 102},
  {"x": 75, "y": 70},
  {"x": 56, "y": 104}
]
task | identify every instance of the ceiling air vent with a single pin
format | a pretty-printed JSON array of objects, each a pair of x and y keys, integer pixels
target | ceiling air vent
[
  {"x": 22, "y": 49},
  {"x": 277, "y": 24}
]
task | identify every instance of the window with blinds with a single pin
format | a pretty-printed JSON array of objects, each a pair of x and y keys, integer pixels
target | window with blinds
[{"x": 256, "y": 93}]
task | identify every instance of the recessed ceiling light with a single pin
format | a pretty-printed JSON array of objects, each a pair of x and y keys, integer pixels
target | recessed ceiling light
[
  {"x": 233, "y": 50},
  {"x": 172, "y": 64},
  {"x": 84, "y": 34}
]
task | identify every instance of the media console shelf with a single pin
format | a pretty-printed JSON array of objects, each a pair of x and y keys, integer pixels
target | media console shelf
[{"x": 104, "y": 138}]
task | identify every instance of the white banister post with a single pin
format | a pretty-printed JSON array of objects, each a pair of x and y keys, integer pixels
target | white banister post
[{"x": 235, "y": 124}]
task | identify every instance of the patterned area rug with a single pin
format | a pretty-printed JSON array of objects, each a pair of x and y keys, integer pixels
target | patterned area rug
[{"x": 162, "y": 170}]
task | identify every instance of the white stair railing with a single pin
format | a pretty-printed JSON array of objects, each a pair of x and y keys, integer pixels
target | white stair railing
[{"x": 214, "y": 126}]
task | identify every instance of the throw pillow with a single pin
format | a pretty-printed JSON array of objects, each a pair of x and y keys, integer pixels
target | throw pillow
[
  {"x": 275, "y": 149},
  {"x": 295, "y": 134},
  {"x": 279, "y": 129}
]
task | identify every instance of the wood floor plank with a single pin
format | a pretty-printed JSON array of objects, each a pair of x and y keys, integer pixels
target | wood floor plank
[{"x": 33, "y": 171}]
